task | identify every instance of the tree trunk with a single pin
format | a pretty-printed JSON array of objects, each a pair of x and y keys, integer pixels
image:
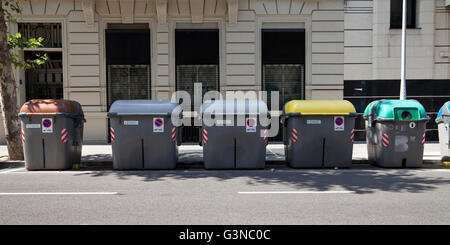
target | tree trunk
[{"x": 9, "y": 96}]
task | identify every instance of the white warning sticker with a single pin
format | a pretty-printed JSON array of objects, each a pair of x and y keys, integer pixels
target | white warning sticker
[
  {"x": 250, "y": 125},
  {"x": 34, "y": 125},
  {"x": 131, "y": 123},
  {"x": 47, "y": 125},
  {"x": 338, "y": 123},
  {"x": 313, "y": 122},
  {"x": 158, "y": 125}
]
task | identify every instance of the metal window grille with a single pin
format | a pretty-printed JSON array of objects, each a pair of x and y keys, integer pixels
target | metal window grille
[
  {"x": 288, "y": 79},
  {"x": 187, "y": 75},
  {"x": 127, "y": 82},
  {"x": 51, "y": 32},
  {"x": 45, "y": 81}
]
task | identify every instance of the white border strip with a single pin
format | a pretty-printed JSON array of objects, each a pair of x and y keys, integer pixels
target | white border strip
[
  {"x": 295, "y": 192},
  {"x": 54, "y": 193}
]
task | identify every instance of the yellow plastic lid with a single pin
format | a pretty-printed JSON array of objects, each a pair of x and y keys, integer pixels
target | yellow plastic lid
[{"x": 319, "y": 107}]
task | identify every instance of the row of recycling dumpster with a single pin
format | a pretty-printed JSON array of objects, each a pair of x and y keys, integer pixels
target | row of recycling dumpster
[{"x": 145, "y": 134}]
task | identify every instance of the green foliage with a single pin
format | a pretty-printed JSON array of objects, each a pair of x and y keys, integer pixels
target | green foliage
[
  {"x": 17, "y": 41},
  {"x": 10, "y": 8}
]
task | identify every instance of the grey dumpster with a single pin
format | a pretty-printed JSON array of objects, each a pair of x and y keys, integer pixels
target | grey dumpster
[
  {"x": 52, "y": 133},
  {"x": 142, "y": 134},
  {"x": 443, "y": 121},
  {"x": 395, "y": 132},
  {"x": 318, "y": 133},
  {"x": 234, "y": 134}
]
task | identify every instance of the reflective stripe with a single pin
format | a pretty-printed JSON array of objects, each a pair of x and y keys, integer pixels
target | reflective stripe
[
  {"x": 64, "y": 135},
  {"x": 23, "y": 136},
  {"x": 385, "y": 139},
  {"x": 294, "y": 135},
  {"x": 352, "y": 135},
  {"x": 174, "y": 134},
  {"x": 111, "y": 131},
  {"x": 423, "y": 139},
  {"x": 205, "y": 136},
  {"x": 266, "y": 132}
]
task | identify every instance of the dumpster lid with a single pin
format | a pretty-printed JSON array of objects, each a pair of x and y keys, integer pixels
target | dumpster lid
[
  {"x": 234, "y": 107},
  {"x": 319, "y": 107},
  {"x": 444, "y": 111},
  {"x": 395, "y": 109},
  {"x": 50, "y": 106},
  {"x": 144, "y": 107}
]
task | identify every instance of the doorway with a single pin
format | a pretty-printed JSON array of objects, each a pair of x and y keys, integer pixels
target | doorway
[
  {"x": 283, "y": 66},
  {"x": 196, "y": 61}
]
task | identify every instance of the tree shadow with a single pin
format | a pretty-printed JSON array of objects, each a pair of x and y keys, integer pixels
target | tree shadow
[{"x": 360, "y": 181}]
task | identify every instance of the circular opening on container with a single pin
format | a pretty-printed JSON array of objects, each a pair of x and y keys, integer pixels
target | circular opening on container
[{"x": 406, "y": 115}]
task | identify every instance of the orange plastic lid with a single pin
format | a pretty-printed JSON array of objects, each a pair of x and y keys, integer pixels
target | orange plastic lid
[{"x": 49, "y": 106}]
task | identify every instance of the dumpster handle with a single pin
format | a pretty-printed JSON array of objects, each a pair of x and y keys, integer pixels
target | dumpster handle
[{"x": 371, "y": 117}]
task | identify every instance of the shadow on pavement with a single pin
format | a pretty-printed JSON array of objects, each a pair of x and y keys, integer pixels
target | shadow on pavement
[{"x": 364, "y": 181}]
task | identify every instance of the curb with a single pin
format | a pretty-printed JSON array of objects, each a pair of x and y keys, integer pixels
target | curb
[{"x": 109, "y": 164}]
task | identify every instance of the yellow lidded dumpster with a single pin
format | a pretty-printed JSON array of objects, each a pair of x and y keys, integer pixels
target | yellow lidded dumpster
[{"x": 318, "y": 133}]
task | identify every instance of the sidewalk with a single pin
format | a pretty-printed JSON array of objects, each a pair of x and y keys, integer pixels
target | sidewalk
[{"x": 193, "y": 154}]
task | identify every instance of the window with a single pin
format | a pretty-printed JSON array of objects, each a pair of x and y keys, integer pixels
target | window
[
  {"x": 128, "y": 63},
  {"x": 396, "y": 14},
  {"x": 51, "y": 32},
  {"x": 283, "y": 66},
  {"x": 44, "y": 81},
  {"x": 432, "y": 94},
  {"x": 196, "y": 61}
]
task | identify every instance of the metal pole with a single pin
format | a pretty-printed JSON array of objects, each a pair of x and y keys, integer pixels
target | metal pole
[{"x": 403, "y": 68}]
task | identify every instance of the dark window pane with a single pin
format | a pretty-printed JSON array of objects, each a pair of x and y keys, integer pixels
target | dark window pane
[
  {"x": 197, "y": 47},
  {"x": 392, "y": 88},
  {"x": 283, "y": 46},
  {"x": 396, "y": 14},
  {"x": 128, "y": 47}
]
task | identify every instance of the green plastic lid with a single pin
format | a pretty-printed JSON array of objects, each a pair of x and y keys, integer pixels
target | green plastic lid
[{"x": 404, "y": 110}]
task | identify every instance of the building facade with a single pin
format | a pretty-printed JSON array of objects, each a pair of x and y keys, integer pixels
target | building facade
[{"x": 104, "y": 50}]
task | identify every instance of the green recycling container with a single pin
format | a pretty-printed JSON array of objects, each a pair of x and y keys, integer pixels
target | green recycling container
[{"x": 395, "y": 132}]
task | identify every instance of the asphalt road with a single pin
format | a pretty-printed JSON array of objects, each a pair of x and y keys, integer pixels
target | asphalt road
[{"x": 364, "y": 195}]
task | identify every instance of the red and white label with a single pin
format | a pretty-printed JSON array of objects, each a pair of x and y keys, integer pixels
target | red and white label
[
  {"x": 64, "y": 135},
  {"x": 266, "y": 133},
  {"x": 174, "y": 134},
  {"x": 294, "y": 135},
  {"x": 385, "y": 139},
  {"x": 352, "y": 135},
  {"x": 205, "y": 136},
  {"x": 423, "y": 138},
  {"x": 111, "y": 132},
  {"x": 23, "y": 136}
]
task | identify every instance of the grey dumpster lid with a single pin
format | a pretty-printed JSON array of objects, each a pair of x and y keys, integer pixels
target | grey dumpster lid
[
  {"x": 144, "y": 107},
  {"x": 234, "y": 107}
]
